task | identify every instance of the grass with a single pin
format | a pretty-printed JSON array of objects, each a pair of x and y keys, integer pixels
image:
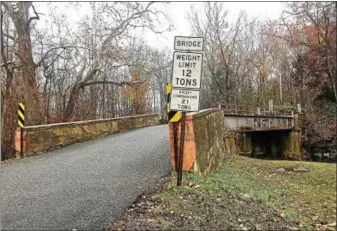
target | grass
[
  {"x": 307, "y": 197},
  {"x": 244, "y": 193}
]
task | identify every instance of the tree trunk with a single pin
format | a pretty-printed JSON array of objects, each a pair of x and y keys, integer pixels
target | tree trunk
[
  {"x": 103, "y": 100},
  {"x": 29, "y": 90},
  {"x": 48, "y": 104},
  {"x": 28, "y": 85},
  {"x": 74, "y": 93}
]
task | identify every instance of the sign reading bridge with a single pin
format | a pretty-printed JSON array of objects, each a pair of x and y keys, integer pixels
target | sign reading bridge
[
  {"x": 188, "y": 43},
  {"x": 186, "y": 74}
]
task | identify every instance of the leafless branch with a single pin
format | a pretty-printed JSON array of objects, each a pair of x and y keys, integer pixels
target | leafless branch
[
  {"x": 36, "y": 17},
  {"x": 131, "y": 84},
  {"x": 124, "y": 25},
  {"x": 56, "y": 48},
  {"x": 8, "y": 36}
]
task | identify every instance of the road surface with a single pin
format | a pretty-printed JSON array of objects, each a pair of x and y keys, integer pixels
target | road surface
[{"x": 85, "y": 185}]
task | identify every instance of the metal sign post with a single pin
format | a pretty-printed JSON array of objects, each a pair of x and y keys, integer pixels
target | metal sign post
[
  {"x": 181, "y": 151},
  {"x": 184, "y": 95}
]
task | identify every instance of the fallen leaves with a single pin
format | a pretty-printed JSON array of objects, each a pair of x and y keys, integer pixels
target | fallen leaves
[
  {"x": 290, "y": 170},
  {"x": 193, "y": 184},
  {"x": 232, "y": 199},
  {"x": 244, "y": 195}
]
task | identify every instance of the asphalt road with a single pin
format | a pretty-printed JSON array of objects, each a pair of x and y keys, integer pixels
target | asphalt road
[{"x": 85, "y": 185}]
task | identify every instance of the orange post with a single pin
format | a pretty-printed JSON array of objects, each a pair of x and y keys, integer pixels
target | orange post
[
  {"x": 189, "y": 150},
  {"x": 18, "y": 144}
]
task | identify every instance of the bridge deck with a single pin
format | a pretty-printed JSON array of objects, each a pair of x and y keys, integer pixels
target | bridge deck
[{"x": 85, "y": 185}]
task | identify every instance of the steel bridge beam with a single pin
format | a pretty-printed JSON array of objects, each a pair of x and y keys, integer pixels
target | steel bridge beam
[{"x": 251, "y": 123}]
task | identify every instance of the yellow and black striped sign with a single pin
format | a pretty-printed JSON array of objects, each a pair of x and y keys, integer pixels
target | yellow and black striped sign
[
  {"x": 21, "y": 114},
  {"x": 173, "y": 116}
]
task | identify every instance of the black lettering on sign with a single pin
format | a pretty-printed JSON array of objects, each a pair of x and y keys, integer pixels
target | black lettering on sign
[
  {"x": 187, "y": 73},
  {"x": 189, "y": 43},
  {"x": 181, "y": 81},
  {"x": 187, "y": 64},
  {"x": 186, "y": 82},
  {"x": 185, "y": 107},
  {"x": 189, "y": 57}
]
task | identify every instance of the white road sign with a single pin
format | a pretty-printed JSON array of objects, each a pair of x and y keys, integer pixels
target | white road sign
[
  {"x": 184, "y": 100},
  {"x": 186, "y": 70},
  {"x": 188, "y": 43}
]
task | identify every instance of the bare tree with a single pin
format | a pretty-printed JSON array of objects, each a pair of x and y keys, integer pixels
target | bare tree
[
  {"x": 124, "y": 17},
  {"x": 221, "y": 47}
]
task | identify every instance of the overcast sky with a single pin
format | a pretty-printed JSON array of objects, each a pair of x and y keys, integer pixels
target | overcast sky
[{"x": 178, "y": 12}]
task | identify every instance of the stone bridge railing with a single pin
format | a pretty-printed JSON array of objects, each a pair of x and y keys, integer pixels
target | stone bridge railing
[
  {"x": 46, "y": 137},
  {"x": 203, "y": 144}
]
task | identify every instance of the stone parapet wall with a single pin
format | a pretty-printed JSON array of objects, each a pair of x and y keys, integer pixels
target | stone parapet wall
[
  {"x": 203, "y": 144},
  {"x": 46, "y": 137}
]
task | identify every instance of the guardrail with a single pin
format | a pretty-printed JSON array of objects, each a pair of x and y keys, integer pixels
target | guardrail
[{"x": 251, "y": 110}]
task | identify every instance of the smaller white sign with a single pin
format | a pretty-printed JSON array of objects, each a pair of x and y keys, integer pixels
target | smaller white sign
[
  {"x": 188, "y": 43},
  {"x": 184, "y": 100}
]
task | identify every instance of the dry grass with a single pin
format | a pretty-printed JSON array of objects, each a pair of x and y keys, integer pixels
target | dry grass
[{"x": 244, "y": 194}]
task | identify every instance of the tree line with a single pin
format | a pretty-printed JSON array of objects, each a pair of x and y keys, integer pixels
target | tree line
[{"x": 102, "y": 68}]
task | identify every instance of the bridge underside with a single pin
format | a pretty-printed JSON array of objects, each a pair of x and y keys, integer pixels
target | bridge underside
[
  {"x": 269, "y": 144},
  {"x": 258, "y": 135}
]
